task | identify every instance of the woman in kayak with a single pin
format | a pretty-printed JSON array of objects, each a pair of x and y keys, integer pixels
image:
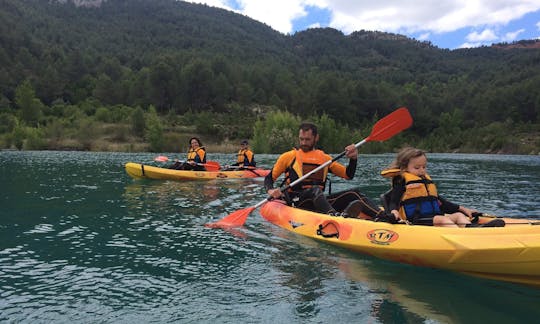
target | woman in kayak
[
  {"x": 414, "y": 196},
  {"x": 195, "y": 159}
]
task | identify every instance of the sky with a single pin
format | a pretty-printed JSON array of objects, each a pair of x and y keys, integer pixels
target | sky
[{"x": 447, "y": 24}]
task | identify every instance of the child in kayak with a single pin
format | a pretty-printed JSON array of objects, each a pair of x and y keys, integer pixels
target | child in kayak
[{"x": 414, "y": 196}]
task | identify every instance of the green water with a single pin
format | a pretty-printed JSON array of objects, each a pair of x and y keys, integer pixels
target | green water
[{"x": 82, "y": 242}]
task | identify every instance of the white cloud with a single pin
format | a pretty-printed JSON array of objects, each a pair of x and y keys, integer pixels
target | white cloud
[
  {"x": 426, "y": 15},
  {"x": 511, "y": 36},
  {"x": 424, "y": 36},
  {"x": 386, "y": 15},
  {"x": 488, "y": 36},
  {"x": 277, "y": 13},
  {"x": 470, "y": 45},
  {"x": 484, "y": 36},
  {"x": 215, "y": 3},
  {"x": 426, "y": 18}
]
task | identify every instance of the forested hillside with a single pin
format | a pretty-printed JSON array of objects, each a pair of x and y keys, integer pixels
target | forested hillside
[{"x": 149, "y": 73}]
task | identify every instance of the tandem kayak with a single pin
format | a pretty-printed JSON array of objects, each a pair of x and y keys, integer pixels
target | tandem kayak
[
  {"x": 138, "y": 171},
  {"x": 510, "y": 253}
]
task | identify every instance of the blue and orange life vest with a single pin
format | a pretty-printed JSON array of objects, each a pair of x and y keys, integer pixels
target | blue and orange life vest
[{"x": 420, "y": 199}]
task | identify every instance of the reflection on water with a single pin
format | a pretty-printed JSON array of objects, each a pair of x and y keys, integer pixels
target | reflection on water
[
  {"x": 191, "y": 199},
  {"x": 434, "y": 294},
  {"x": 82, "y": 242},
  {"x": 393, "y": 292}
]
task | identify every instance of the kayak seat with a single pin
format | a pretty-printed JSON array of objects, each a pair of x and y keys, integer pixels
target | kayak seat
[
  {"x": 385, "y": 200},
  {"x": 497, "y": 222}
]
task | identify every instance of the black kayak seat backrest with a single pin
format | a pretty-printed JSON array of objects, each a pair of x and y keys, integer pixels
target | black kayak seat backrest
[{"x": 385, "y": 199}]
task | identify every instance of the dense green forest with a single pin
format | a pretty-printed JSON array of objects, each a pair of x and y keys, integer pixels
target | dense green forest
[{"x": 131, "y": 75}]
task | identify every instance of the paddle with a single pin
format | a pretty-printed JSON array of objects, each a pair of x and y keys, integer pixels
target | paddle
[
  {"x": 240, "y": 167},
  {"x": 517, "y": 221},
  {"x": 161, "y": 158},
  {"x": 209, "y": 165},
  {"x": 385, "y": 128},
  {"x": 251, "y": 169}
]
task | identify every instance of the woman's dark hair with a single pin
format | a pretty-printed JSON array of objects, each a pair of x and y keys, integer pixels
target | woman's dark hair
[{"x": 197, "y": 139}]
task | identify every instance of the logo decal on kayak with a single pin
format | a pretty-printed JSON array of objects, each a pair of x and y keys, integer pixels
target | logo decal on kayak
[
  {"x": 382, "y": 236},
  {"x": 221, "y": 175}
]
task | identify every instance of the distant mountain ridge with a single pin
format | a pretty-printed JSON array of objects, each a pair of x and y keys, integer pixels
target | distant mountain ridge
[
  {"x": 533, "y": 43},
  {"x": 137, "y": 31},
  {"x": 182, "y": 57}
]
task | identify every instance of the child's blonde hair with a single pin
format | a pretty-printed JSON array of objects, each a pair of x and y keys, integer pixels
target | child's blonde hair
[{"x": 404, "y": 156}]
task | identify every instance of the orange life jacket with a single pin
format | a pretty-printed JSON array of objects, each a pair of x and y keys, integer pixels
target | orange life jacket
[
  {"x": 305, "y": 162},
  {"x": 200, "y": 152},
  {"x": 243, "y": 155}
]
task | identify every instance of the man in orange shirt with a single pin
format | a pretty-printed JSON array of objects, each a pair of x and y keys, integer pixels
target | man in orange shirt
[{"x": 309, "y": 194}]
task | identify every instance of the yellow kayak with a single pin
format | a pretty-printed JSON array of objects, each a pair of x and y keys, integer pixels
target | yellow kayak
[
  {"x": 138, "y": 171},
  {"x": 510, "y": 253}
]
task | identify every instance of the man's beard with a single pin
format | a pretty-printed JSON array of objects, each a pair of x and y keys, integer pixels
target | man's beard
[{"x": 306, "y": 148}]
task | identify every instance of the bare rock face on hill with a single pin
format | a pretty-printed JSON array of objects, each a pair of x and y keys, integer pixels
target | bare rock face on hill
[
  {"x": 84, "y": 3},
  {"x": 529, "y": 43}
]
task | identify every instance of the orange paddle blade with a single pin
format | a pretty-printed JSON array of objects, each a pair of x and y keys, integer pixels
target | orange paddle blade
[
  {"x": 236, "y": 219},
  {"x": 390, "y": 125},
  {"x": 212, "y": 166},
  {"x": 161, "y": 158}
]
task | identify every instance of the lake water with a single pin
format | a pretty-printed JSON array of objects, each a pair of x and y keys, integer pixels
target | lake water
[{"x": 82, "y": 242}]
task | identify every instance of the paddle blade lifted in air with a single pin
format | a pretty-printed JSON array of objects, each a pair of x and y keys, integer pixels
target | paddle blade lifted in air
[{"x": 384, "y": 129}]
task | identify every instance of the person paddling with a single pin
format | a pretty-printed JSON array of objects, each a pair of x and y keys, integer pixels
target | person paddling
[
  {"x": 309, "y": 194},
  {"x": 196, "y": 157},
  {"x": 245, "y": 157}
]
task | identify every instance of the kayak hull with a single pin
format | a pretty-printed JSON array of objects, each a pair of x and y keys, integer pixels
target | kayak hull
[
  {"x": 143, "y": 171},
  {"x": 510, "y": 253}
]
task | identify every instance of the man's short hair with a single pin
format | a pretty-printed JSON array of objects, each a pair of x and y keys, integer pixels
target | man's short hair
[{"x": 306, "y": 126}]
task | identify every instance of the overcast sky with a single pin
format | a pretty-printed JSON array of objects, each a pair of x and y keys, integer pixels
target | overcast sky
[{"x": 445, "y": 23}]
